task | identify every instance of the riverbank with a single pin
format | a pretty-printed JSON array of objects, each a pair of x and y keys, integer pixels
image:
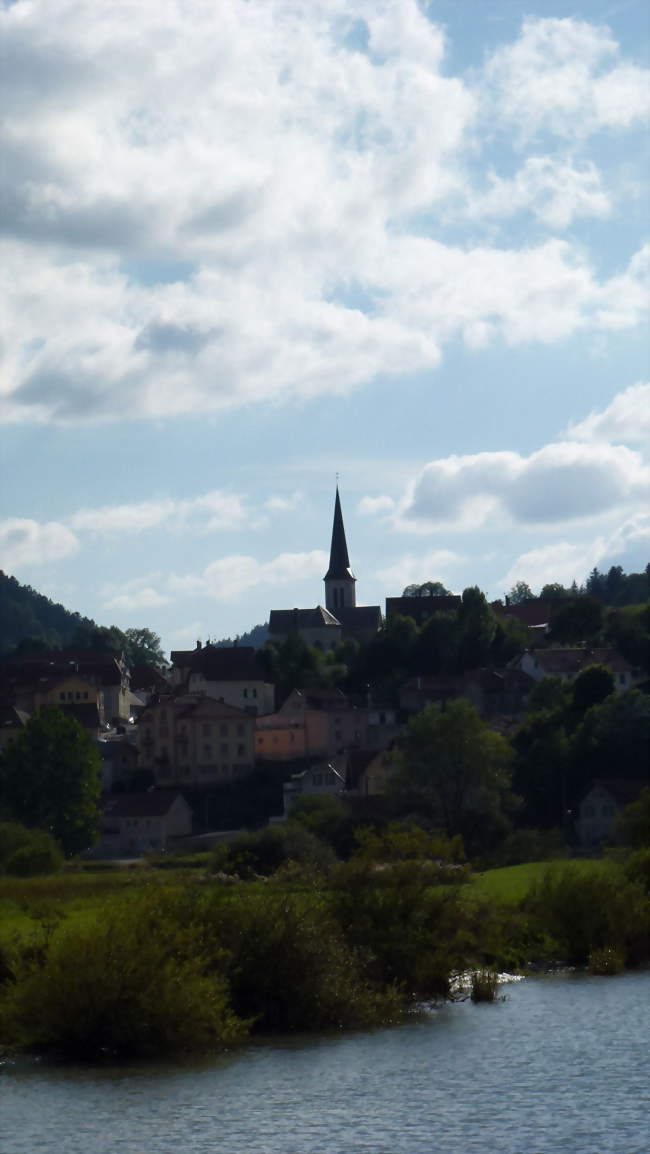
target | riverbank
[{"x": 169, "y": 962}]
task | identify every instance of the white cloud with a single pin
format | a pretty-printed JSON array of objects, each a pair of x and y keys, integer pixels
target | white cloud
[
  {"x": 144, "y": 598},
  {"x": 199, "y": 191},
  {"x": 625, "y": 421},
  {"x": 560, "y": 482},
  {"x": 207, "y": 513},
  {"x": 432, "y": 566},
  {"x": 228, "y": 578},
  {"x": 374, "y": 505},
  {"x": 566, "y": 76},
  {"x": 566, "y": 561},
  {"x": 555, "y": 191},
  {"x": 27, "y": 542}
]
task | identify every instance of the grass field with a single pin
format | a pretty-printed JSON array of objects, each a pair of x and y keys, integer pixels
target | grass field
[
  {"x": 511, "y": 883},
  {"x": 29, "y": 903}
]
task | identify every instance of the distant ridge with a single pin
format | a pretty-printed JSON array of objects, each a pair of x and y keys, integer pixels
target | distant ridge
[{"x": 255, "y": 637}]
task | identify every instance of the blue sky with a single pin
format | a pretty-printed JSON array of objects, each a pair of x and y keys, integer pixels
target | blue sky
[{"x": 247, "y": 246}]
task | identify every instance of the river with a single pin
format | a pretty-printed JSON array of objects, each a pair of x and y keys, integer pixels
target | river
[{"x": 560, "y": 1067}]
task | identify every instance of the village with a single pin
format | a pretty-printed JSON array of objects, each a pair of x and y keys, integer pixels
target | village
[{"x": 177, "y": 746}]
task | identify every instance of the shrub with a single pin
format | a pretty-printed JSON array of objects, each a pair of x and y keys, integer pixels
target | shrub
[
  {"x": 133, "y": 984},
  {"x": 606, "y": 961},
  {"x": 637, "y": 868},
  {"x": 265, "y": 851},
  {"x": 288, "y": 965},
  {"x": 586, "y": 911},
  {"x": 484, "y": 986},
  {"x": 41, "y": 855}
]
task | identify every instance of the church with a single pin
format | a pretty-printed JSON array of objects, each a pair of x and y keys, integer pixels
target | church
[{"x": 340, "y": 618}]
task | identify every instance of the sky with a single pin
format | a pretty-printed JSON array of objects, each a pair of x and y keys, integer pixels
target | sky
[{"x": 248, "y": 245}]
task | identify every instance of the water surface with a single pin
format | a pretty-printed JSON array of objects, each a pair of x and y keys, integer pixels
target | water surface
[{"x": 560, "y": 1067}]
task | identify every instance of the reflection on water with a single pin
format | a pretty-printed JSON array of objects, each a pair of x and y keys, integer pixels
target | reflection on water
[{"x": 560, "y": 1067}]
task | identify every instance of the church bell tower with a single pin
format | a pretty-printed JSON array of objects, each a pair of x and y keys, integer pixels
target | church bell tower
[{"x": 339, "y": 579}]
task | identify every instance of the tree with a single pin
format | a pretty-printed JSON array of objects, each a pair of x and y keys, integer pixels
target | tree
[
  {"x": 477, "y": 628},
  {"x": 519, "y": 593},
  {"x": 591, "y": 686},
  {"x": 579, "y": 619},
  {"x": 427, "y": 589},
  {"x": 143, "y": 647},
  {"x": 554, "y": 592},
  {"x": 50, "y": 778},
  {"x": 461, "y": 765}
]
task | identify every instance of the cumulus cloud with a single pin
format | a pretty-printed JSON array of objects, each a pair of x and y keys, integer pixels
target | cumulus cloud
[
  {"x": 27, "y": 542},
  {"x": 209, "y": 512},
  {"x": 197, "y": 193},
  {"x": 560, "y": 482},
  {"x": 373, "y": 505},
  {"x": 432, "y": 566},
  {"x": 555, "y": 191},
  {"x": 229, "y": 577},
  {"x": 566, "y": 76},
  {"x": 625, "y": 421},
  {"x": 564, "y": 561}
]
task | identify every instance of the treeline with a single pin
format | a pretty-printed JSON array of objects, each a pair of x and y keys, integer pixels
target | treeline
[{"x": 452, "y": 642}]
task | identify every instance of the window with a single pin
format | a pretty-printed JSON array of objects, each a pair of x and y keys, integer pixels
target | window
[
  {"x": 240, "y": 730},
  {"x": 70, "y": 696},
  {"x": 245, "y": 693},
  {"x": 224, "y": 748},
  {"x": 62, "y": 697},
  {"x": 254, "y": 693},
  {"x": 317, "y": 779},
  {"x": 164, "y": 730},
  {"x": 85, "y": 696},
  {"x": 77, "y": 696},
  {"x": 223, "y": 729},
  {"x": 241, "y": 750},
  {"x": 207, "y": 750}
]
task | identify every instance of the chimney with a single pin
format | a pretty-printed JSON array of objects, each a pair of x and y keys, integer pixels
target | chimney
[{"x": 198, "y": 644}]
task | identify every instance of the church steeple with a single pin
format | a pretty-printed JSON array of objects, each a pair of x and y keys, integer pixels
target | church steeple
[{"x": 339, "y": 579}]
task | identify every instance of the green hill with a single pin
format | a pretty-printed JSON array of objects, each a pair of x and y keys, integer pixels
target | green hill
[{"x": 26, "y": 615}]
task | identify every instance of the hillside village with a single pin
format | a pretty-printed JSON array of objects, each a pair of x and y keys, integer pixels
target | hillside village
[{"x": 232, "y": 735}]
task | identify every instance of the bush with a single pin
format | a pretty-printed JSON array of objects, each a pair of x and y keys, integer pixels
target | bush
[
  {"x": 583, "y": 912},
  {"x": 637, "y": 868},
  {"x": 606, "y": 962},
  {"x": 40, "y": 856},
  {"x": 484, "y": 986},
  {"x": 132, "y": 984},
  {"x": 270, "y": 848},
  {"x": 288, "y": 965}
]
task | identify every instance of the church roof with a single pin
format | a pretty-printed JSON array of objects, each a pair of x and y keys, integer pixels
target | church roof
[
  {"x": 360, "y": 616},
  {"x": 339, "y": 567},
  {"x": 293, "y": 620}
]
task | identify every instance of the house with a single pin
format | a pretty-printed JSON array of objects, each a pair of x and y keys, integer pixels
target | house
[
  {"x": 74, "y": 695},
  {"x": 195, "y": 740},
  {"x": 311, "y": 723},
  {"x": 568, "y": 663},
  {"x": 135, "y": 823},
  {"x": 228, "y": 673},
  {"x": 534, "y": 614},
  {"x": 341, "y": 618},
  {"x": 418, "y": 693},
  {"x": 493, "y": 692},
  {"x": 323, "y": 778},
  {"x": 599, "y": 808},
  {"x": 31, "y": 677}
]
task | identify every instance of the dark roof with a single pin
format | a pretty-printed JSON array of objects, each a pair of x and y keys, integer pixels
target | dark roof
[
  {"x": 148, "y": 678},
  {"x": 223, "y": 663},
  {"x": 185, "y": 704},
  {"x": 535, "y": 613},
  {"x": 360, "y": 616},
  {"x": 154, "y": 803},
  {"x": 60, "y": 662},
  {"x": 339, "y": 566},
  {"x": 624, "y": 790},
  {"x": 293, "y": 620}
]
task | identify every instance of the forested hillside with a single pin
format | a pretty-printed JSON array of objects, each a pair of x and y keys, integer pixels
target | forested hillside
[{"x": 26, "y": 615}]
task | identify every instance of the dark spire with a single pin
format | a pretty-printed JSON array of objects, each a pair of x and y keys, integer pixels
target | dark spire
[{"x": 339, "y": 561}]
